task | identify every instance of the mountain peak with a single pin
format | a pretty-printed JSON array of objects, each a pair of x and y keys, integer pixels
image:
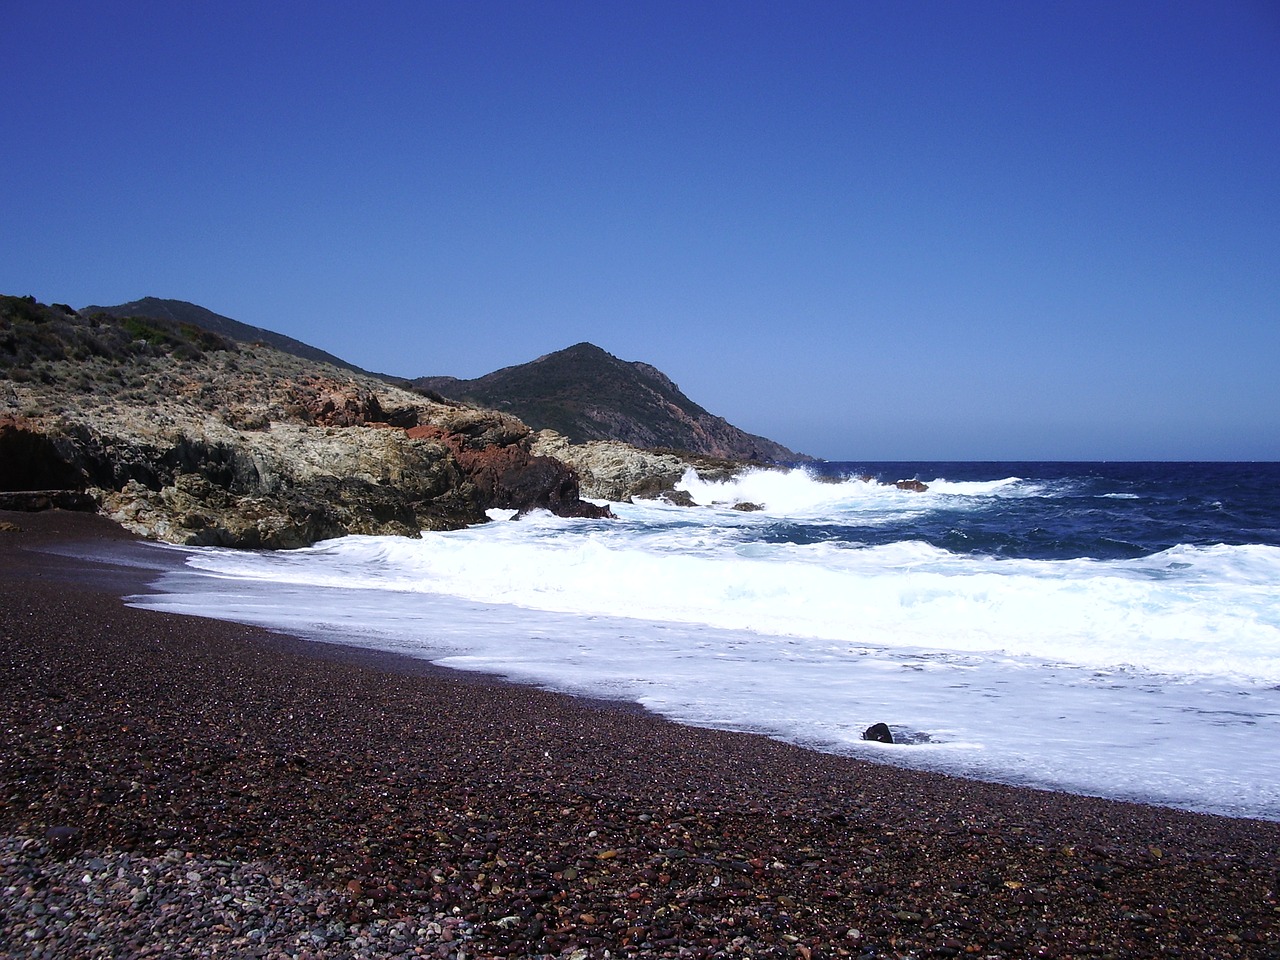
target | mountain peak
[{"x": 586, "y": 393}]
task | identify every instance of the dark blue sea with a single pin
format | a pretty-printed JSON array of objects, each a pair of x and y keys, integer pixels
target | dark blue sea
[{"x": 1106, "y": 511}]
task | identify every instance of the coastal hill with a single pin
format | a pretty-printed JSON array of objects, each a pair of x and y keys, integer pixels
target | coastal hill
[
  {"x": 180, "y": 312},
  {"x": 188, "y": 435},
  {"x": 585, "y": 393},
  {"x": 581, "y": 393},
  {"x": 185, "y": 435}
]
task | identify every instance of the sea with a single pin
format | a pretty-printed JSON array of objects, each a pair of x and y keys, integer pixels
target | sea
[{"x": 1109, "y": 629}]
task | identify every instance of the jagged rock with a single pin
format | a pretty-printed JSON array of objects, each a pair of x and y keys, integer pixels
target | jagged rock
[
  {"x": 508, "y": 475},
  {"x": 30, "y": 460},
  {"x": 334, "y": 404},
  {"x": 611, "y": 470},
  {"x": 746, "y": 507},
  {"x": 677, "y": 498}
]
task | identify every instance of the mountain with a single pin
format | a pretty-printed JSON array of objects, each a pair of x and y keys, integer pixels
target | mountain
[
  {"x": 180, "y": 312},
  {"x": 586, "y": 394},
  {"x": 581, "y": 392}
]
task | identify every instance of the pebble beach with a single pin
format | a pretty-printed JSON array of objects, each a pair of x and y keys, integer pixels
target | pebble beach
[{"x": 180, "y": 787}]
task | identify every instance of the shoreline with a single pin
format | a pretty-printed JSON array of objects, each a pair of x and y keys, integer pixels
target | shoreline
[{"x": 528, "y": 823}]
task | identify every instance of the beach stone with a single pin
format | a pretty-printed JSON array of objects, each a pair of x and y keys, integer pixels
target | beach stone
[
  {"x": 879, "y": 732},
  {"x": 62, "y": 838}
]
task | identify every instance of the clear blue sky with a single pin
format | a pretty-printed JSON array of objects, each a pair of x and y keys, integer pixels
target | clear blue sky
[{"x": 869, "y": 230}]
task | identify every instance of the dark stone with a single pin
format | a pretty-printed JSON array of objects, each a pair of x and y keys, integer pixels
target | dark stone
[
  {"x": 747, "y": 507},
  {"x": 63, "y": 839},
  {"x": 506, "y": 475},
  {"x": 29, "y": 460},
  {"x": 678, "y": 498},
  {"x": 914, "y": 486},
  {"x": 879, "y": 732},
  {"x": 651, "y": 487},
  {"x": 33, "y": 501}
]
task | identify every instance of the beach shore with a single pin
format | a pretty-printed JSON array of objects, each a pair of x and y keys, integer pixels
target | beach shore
[{"x": 174, "y": 786}]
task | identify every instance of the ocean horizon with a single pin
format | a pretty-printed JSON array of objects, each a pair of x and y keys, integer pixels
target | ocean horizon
[{"x": 1103, "y": 628}]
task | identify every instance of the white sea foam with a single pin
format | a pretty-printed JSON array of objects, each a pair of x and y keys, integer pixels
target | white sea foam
[
  {"x": 800, "y": 494},
  {"x": 1190, "y": 611},
  {"x": 1152, "y": 678}
]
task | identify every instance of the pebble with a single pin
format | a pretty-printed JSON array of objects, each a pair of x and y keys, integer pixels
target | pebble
[
  {"x": 89, "y": 906},
  {"x": 429, "y": 821}
]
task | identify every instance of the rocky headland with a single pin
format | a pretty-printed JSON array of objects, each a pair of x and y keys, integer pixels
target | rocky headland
[
  {"x": 184, "y": 435},
  {"x": 186, "y": 787},
  {"x": 193, "y": 428}
]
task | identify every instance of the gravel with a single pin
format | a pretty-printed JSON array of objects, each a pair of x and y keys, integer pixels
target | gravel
[
  {"x": 181, "y": 904},
  {"x": 177, "y": 787}
]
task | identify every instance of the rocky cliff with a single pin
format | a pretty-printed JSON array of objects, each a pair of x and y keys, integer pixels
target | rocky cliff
[
  {"x": 193, "y": 437},
  {"x": 586, "y": 394},
  {"x": 616, "y": 471}
]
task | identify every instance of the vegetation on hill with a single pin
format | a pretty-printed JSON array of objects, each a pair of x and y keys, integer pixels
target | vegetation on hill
[
  {"x": 585, "y": 394},
  {"x": 192, "y": 315},
  {"x": 33, "y": 336},
  {"x": 581, "y": 392}
]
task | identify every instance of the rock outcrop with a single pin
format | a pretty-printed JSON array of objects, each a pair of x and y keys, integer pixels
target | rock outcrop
[
  {"x": 187, "y": 437},
  {"x": 616, "y": 471}
]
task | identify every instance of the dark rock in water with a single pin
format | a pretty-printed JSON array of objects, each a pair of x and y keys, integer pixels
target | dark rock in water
[
  {"x": 678, "y": 498},
  {"x": 879, "y": 732},
  {"x": 913, "y": 485},
  {"x": 747, "y": 507}
]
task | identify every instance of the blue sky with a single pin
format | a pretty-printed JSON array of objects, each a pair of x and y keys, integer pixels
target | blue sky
[{"x": 869, "y": 230}]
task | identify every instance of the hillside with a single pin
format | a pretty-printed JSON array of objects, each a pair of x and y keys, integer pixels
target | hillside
[
  {"x": 187, "y": 435},
  {"x": 581, "y": 392},
  {"x": 181, "y": 312},
  {"x": 588, "y": 394}
]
